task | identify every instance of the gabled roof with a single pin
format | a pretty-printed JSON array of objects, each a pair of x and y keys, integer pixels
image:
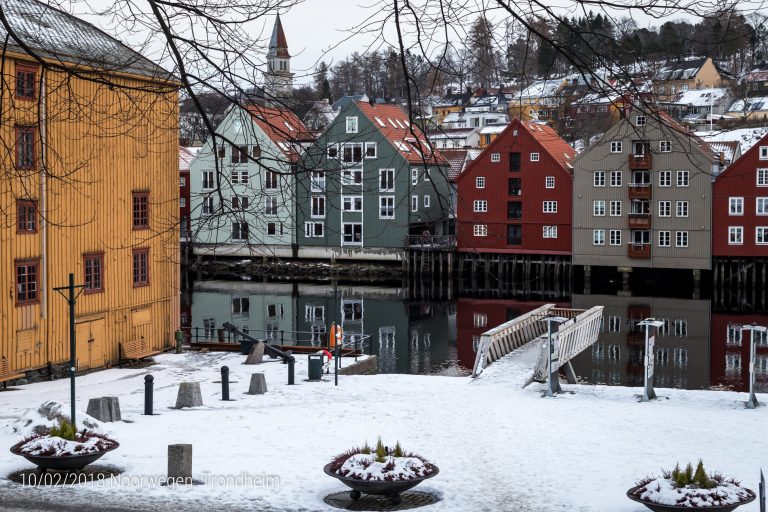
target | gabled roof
[
  {"x": 54, "y": 34},
  {"x": 278, "y": 44},
  {"x": 728, "y": 148},
  {"x": 547, "y": 138},
  {"x": 186, "y": 155},
  {"x": 687, "y": 69},
  {"x": 735, "y": 166},
  {"x": 701, "y": 97},
  {"x": 346, "y": 100},
  {"x": 281, "y": 127},
  {"x": 755, "y": 104},
  {"x": 456, "y": 159},
  {"x": 407, "y": 138}
]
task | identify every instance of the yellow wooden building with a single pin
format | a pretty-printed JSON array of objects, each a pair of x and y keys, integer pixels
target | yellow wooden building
[{"x": 89, "y": 186}]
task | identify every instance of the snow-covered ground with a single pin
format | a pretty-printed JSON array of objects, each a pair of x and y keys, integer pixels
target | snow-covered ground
[{"x": 499, "y": 447}]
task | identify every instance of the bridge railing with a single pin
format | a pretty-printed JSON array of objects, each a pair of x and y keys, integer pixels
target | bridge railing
[
  {"x": 501, "y": 340},
  {"x": 573, "y": 336}
]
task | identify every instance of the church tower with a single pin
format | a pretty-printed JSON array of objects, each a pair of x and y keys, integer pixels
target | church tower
[{"x": 278, "y": 80}]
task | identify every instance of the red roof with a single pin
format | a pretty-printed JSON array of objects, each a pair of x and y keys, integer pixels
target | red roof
[
  {"x": 407, "y": 138},
  {"x": 456, "y": 159},
  {"x": 551, "y": 142},
  {"x": 278, "y": 41},
  {"x": 283, "y": 128}
]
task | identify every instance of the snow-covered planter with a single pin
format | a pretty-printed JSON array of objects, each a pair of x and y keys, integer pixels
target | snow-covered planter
[
  {"x": 64, "y": 447},
  {"x": 686, "y": 489},
  {"x": 380, "y": 471}
]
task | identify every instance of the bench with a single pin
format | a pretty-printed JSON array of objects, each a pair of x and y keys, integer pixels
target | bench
[
  {"x": 6, "y": 373},
  {"x": 134, "y": 350}
]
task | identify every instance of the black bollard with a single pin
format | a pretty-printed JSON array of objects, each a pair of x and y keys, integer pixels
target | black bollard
[
  {"x": 291, "y": 361},
  {"x": 225, "y": 383},
  {"x": 148, "y": 385},
  {"x": 337, "y": 364}
]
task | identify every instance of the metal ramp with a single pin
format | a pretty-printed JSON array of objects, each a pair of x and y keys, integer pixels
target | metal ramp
[{"x": 577, "y": 333}]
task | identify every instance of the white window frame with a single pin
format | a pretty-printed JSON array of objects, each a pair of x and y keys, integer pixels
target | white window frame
[
  {"x": 615, "y": 208},
  {"x": 343, "y": 234},
  {"x": 414, "y": 203},
  {"x": 762, "y": 178},
  {"x": 535, "y": 157},
  {"x": 414, "y": 176},
  {"x": 349, "y": 177},
  {"x": 681, "y": 209},
  {"x": 614, "y": 237},
  {"x": 619, "y": 178},
  {"x": 309, "y": 229},
  {"x": 240, "y": 232},
  {"x": 665, "y": 178},
  {"x": 681, "y": 239},
  {"x": 735, "y": 235},
  {"x": 351, "y": 124},
  {"x": 736, "y": 206},
  {"x": 761, "y": 206},
  {"x": 320, "y": 201},
  {"x": 480, "y": 182},
  {"x": 335, "y": 147},
  {"x": 640, "y": 120},
  {"x": 665, "y": 236},
  {"x": 182, "y": 181},
  {"x": 682, "y": 179},
  {"x": 480, "y": 230},
  {"x": 763, "y": 152},
  {"x": 182, "y": 202},
  {"x": 598, "y": 180},
  {"x": 351, "y": 145},
  {"x": 764, "y": 231},
  {"x": 665, "y": 208},
  {"x": 382, "y": 206},
  {"x": 349, "y": 204},
  {"x": 598, "y": 237},
  {"x": 426, "y": 200},
  {"x": 271, "y": 203},
  {"x": 317, "y": 181},
  {"x": 391, "y": 180},
  {"x": 617, "y": 146},
  {"x": 549, "y": 232},
  {"x": 549, "y": 207},
  {"x": 209, "y": 206},
  {"x": 665, "y": 146},
  {"x": 211, "y": 181},
  {"x": 495, "y": 157},
  {"x": 549, "y": 182},
  {"x": 598, "y": 208},
  {"x": 365, "y": 150},
  {"x": 479, "y": 206}
]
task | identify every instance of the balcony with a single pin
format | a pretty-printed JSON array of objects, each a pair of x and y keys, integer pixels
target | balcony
[
  {"x": 643, "y": 161},
  {"x": 639, "y": 251},
  {"x": 640, "y": 191},
  {"x": 639, "y": 221}
]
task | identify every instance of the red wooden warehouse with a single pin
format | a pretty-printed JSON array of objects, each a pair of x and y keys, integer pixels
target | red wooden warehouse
[
  {"x": 740, "y": 206},
  {"x": 515, "y": 197}
]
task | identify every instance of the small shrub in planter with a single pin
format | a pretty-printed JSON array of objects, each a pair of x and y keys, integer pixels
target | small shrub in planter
[
  {"x": 689, "y": 488},
  {"x": 380, "y": 470}
]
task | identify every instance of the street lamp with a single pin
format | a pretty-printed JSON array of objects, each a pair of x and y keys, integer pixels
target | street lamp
[
  {"x": 71, "y": 300},
  {"x": 650, "y": 341},
  {"x": 553, "y": 356},
  {"x": 752, "y": 328}
]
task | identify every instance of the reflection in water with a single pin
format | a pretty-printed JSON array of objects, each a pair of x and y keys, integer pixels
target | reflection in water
[{"x": 694, "y": 349}]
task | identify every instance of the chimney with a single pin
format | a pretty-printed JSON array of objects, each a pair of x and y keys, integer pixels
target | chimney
[{"x": 372, "y": 101}]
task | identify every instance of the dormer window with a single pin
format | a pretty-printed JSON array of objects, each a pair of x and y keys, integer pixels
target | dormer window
[{"x": 352, "y": 124}]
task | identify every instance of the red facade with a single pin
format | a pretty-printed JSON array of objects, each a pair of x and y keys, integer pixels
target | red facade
[
  {"x": 740, "y": 206},
  {"x": 525, "y": 179}
]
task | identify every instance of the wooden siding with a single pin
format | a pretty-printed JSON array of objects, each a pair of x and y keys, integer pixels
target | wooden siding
[
  {"x": 739, "y": 180},
  {"x": 101, "y": 144},
  {"x": 532, "y": 177}
]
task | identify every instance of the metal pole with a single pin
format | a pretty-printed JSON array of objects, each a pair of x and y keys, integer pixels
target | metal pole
[
  {"x": 148, "y": 383},
  {"x": 72, "y": 346},
  {"x": 225, "y": 383},
  {"x": 648, "y": 392},
  {"x": 291, "y": 361},
  {"x": 550, "y": 348},
  {"x": 752, "y": 403}
]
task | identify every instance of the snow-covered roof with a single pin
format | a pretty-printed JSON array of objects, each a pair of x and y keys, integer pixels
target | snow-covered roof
[
  {"x": 750, "y": 105},
  {"x": 542, "y": 88},
  {"x": 493, "y": 128},
  {"x": 728, "y": 148},
  {"x": 451, "y": 133},
  {"x": 54, "y": 34},
  {"x": 701, "y": 97},
  {"x": 747, "y": 137}
]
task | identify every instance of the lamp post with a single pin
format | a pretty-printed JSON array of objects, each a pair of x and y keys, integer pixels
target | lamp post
[
  {"x": 553, "y": 356},
  {"x": 71, "y": 300},
  {"x": 648, "y": 392},
  {"x": 752, "y": 328}
]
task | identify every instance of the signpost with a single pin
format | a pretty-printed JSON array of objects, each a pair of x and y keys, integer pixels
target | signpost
[
  {"x": 71, "y": 299},
  {"x": 753, "y": 328},
  {"x": 648, "y": 392},
  {"x": 553, "y": 356}
]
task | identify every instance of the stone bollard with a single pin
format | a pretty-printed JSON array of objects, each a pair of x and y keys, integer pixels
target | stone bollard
[
  {"x": 189, "y": 395},
  {"x": 258, "y": 384},
  {"x": 256, "y": 355},
  {"x": 225, "y": 383},
  {"x": 148, "y": 390},
  {"x": 180, "y": 464},
  {"x": 105, "y": 408}
]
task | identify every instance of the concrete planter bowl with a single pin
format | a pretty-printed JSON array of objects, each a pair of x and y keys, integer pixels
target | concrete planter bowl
[
  {"x": 62, "y": 462},
  {"x": 657, "y": 507},
  {"x": 390, "y": 489}
]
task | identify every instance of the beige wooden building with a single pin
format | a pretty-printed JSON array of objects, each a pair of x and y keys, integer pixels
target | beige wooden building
[
  {"x": 642, "y": 197},
  {"x": 90, "y": 186}
]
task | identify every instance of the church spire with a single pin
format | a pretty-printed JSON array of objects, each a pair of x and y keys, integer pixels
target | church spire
[
  {"x": 278, "y": 45},
  {"x": 278, "y": 78}
]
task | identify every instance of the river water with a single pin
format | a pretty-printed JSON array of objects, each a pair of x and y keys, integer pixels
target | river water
[{"x": 697, "y": 348}]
